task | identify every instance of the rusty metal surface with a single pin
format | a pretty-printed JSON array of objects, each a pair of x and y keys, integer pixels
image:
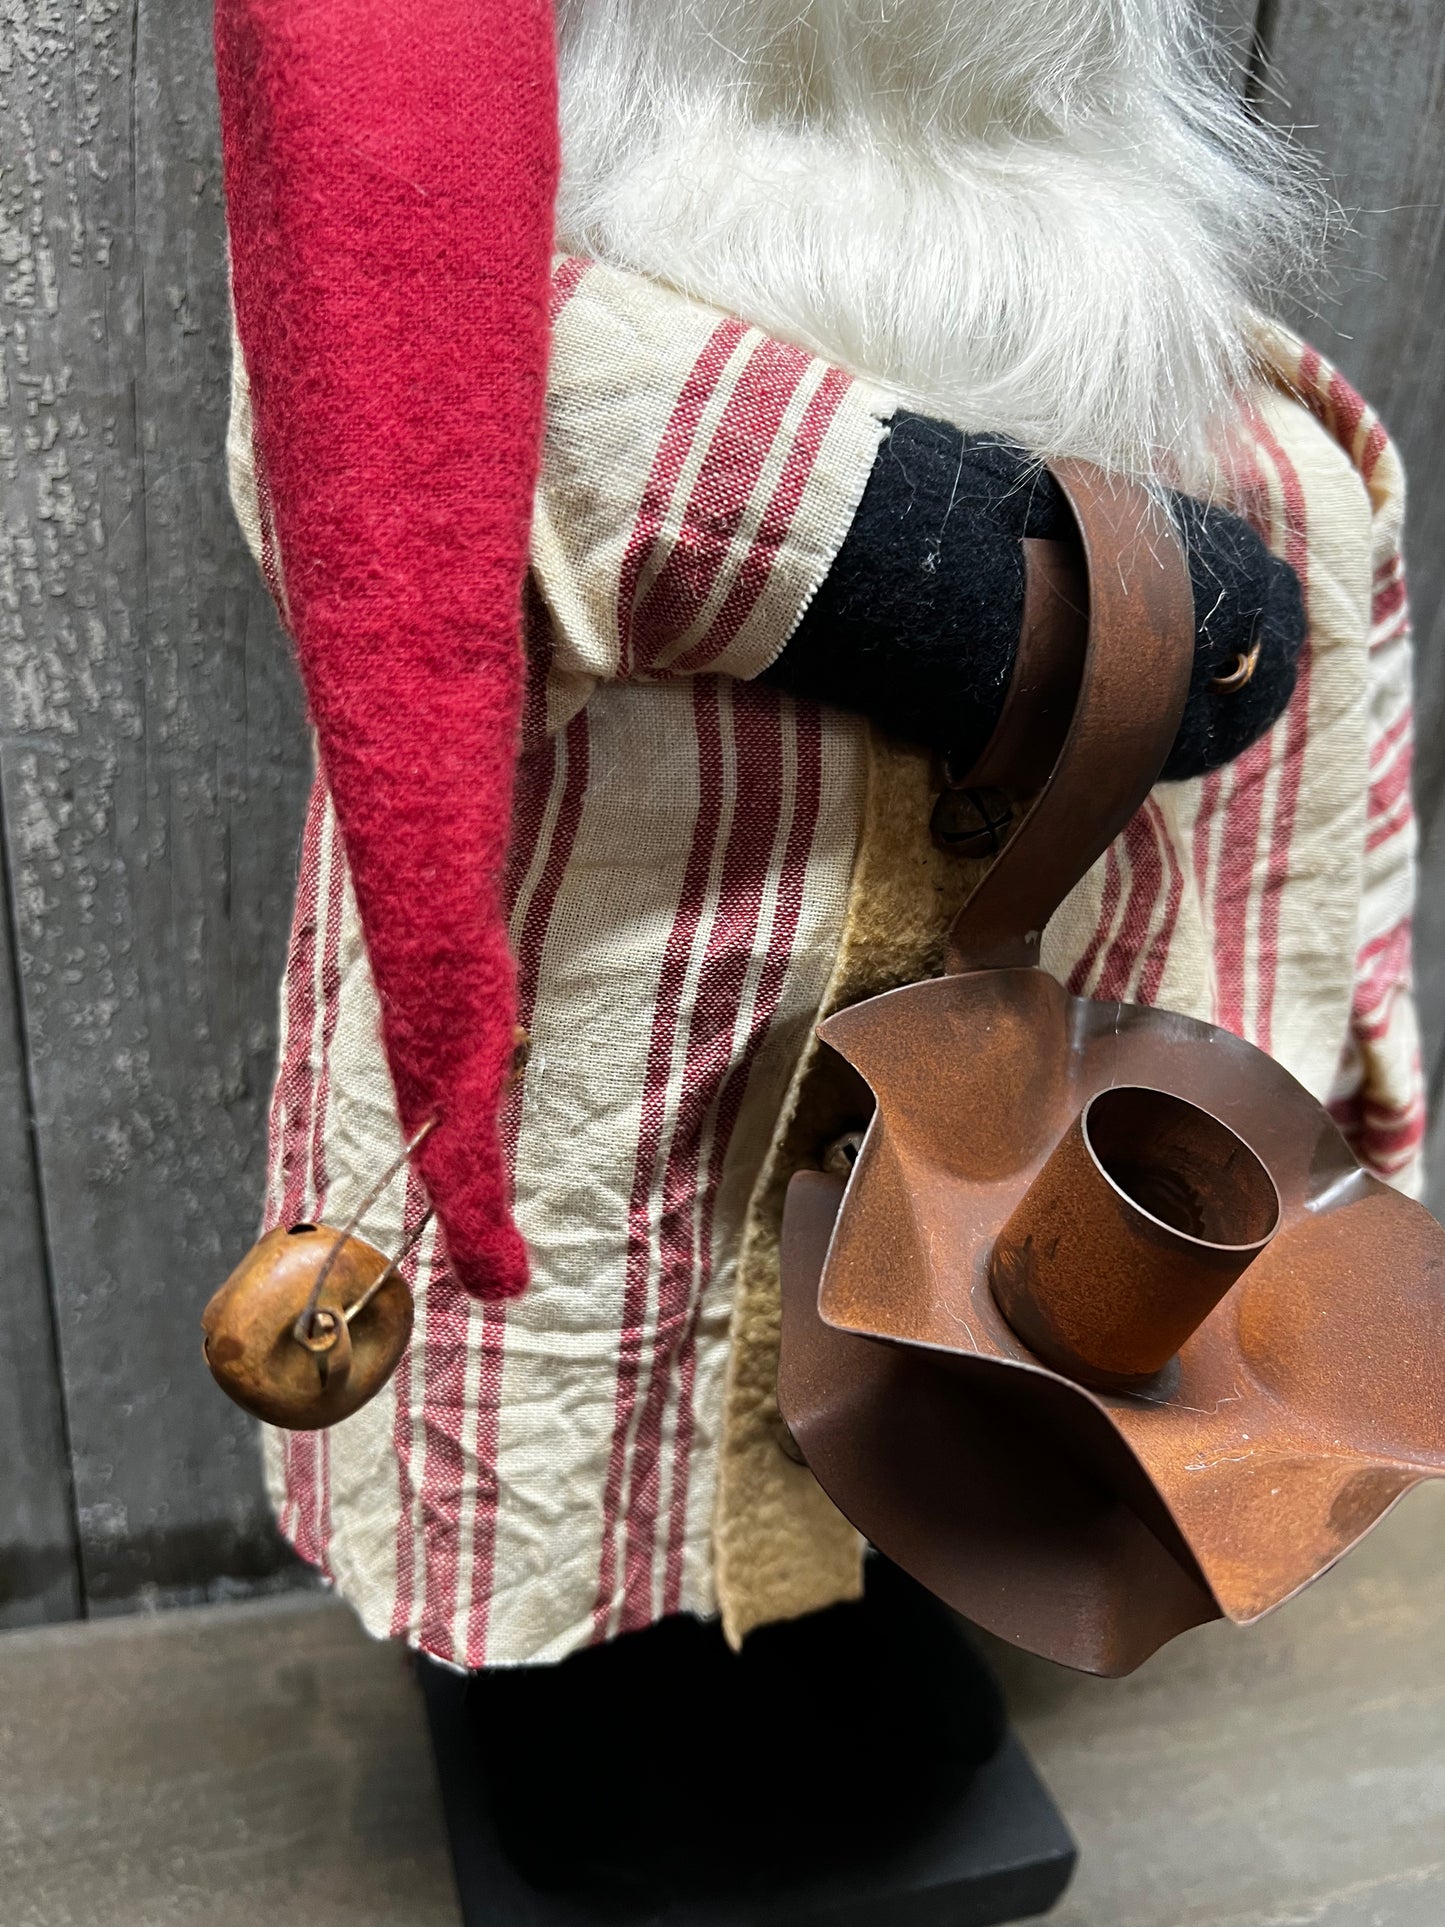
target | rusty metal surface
[
  {"x": 1209, "y": 1236},
  {"x": 1008, "y": 1496},
  {"x": 1131, "y": 695},
  {"x": 1039, "y": 702},
  {"x": 972, "y": 813},
  {"x": 1139, "y": 1220},
  {"x": 1295, "y": 1415}
]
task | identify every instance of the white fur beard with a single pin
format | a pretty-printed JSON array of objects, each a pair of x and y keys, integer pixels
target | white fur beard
[{"x": 1045, "y": 218}]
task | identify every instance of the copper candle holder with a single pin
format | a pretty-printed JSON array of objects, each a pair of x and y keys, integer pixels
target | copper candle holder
[{"x": 1108, "y": 1333}]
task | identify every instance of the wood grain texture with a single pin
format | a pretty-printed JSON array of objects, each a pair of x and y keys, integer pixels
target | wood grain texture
[
  {"x": 153, "y": 759},
  {"x": 1364, "y": 86},
  {"x": 39, "y": 1574},
  {"x": 259, "y": 1765}
]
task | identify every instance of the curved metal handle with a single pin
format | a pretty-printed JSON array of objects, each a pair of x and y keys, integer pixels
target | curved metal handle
[{"x": 1131, "y": 697}]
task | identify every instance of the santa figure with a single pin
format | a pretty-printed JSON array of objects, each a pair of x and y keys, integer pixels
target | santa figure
[{"x": 637, "y": 416}]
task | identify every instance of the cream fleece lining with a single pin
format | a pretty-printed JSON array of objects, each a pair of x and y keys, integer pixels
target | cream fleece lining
[{"x": 781, "y": 1546}]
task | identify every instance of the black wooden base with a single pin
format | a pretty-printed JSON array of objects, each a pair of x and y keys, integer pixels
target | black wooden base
[{"x": 849, "y": 1770}]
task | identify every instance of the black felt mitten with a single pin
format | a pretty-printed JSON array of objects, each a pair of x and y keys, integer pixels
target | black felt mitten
[{"x": 918, "y": 620}]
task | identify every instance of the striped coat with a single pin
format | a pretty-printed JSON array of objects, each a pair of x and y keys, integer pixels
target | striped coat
[{"x": 544, "y": 1474}]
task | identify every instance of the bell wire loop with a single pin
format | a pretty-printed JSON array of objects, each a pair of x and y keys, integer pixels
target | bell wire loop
[{"x": 304, "y": 1327}]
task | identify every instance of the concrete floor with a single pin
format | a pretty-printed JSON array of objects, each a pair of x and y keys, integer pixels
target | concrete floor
[
  {"x": 1291, "y": 1774},
  {"x": 266, "y": 1766}
]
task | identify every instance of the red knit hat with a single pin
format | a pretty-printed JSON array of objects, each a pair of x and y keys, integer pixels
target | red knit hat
[{"x": 390, "y": 170}]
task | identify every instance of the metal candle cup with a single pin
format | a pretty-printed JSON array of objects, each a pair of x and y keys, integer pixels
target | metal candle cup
[{"x": 1143, "y": 1217}]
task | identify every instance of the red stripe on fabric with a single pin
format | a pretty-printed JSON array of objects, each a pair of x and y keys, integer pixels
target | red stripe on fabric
[
  {"x": 1393, "y": 783},
  {"x": 1234, "y": 882},
  {"x": 752, "y": 578},
  {"x": 536, "y": 776},
  {"x": 567, "y": 278},
  {"x": 294, "y": 1087},
  {"x": 1296, "y": 739},
  {"x": 1382, "y": 972},
  {"x": 1391, "y": 807},
  {"x": 1373, "y": 1008},
  {"x": 1385, "y": 742},
  {"x": 1396, "y": 1142},
  {"x": 1376, "y": 442},
  {"x": 740, "y": 445},
  {"x": 317, "y": 1476},
  {"x": 271, "y": 573},
  {"x": 1382, "y": 638},
  {"x": 667, "y": 466},
  {"x": 446, "y": 1322},
  {"x": 1343, "y": 411},
  {"x": 291, "y": 1070},
  {"x": 1387, "y": 1112},
  {"x": 1080, "y": 975},
  {"x": 404, "y": 1547},
  {"x": 1396, "y": 824},
  {"x": 807, "y": 725},
  {"x": 541, "y": 644},
  {"x": 1248, "y": 777},
  {"x": 1387, "y": 602},
  {"x": 294, "y": 1083},
  {"x": 666, "y": 1015},
  {"x": 1348, "y": 407},
  {"x": 402, "y": 1432},
  {"x": 537, "y": 919},
  {"x": 1146, "y": 882},
  {"x": 1376, "y": 1025},
  {"x": 486, "y": 1440},
  {"x": 754, "y": 720},
  {"x": 535, "y": 788},
  {"x": 1210, "y": 797},
  {"x": 330, "y": 1012},
  {"x": 1388, "y": 951},
  {"x": 1156, "y": 962}
]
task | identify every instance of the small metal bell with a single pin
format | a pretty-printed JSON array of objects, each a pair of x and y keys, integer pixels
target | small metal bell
[
  {"x": 313, "y": 1321},
  {"x": 300, "y": 1358}
]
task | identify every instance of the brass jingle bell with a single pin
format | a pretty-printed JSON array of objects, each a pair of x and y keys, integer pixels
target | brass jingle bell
[{"x": 305, "y": 1372}]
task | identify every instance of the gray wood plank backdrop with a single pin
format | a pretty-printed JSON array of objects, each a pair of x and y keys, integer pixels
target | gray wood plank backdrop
[
  {"x": 153, "y": 757},
  {"x": 152, "y": 764}
]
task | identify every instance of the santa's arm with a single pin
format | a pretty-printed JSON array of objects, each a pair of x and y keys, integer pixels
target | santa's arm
[
  {"x": 712, "y": 500},
  {"x": 917, "y": 621},
  {"x": 698, "y": 480}
]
